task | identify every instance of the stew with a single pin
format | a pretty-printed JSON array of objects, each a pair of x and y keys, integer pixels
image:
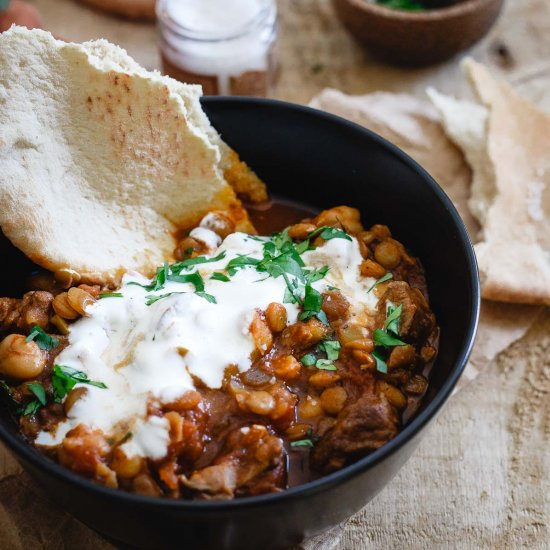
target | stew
[{"x": 163, "y": 387}]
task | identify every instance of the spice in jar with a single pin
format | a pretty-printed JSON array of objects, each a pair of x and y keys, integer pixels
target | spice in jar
[{"x": 227, "y": 46}]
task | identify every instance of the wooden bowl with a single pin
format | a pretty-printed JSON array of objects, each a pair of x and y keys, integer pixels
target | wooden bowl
[
  {"x": 132, "y": 9},
  {"x": 418, "y": 38}
]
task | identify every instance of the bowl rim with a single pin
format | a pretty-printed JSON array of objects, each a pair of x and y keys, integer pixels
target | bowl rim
[
  {"x": 463, "y": 7},
  {"x": 39, "y": 461}
]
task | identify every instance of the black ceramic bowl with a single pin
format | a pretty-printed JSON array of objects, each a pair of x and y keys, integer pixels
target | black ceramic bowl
[{"x": 323, "y": 161}]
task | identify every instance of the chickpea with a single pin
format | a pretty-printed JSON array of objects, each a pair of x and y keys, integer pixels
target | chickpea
[
  {"x": 62, "y": 307},
  {"x": 260, "y": 402},
  {"x": 361, "y": 356},
  {"x": 394, "y": 396},
  {"x": 401, "y": 356},
  {"x": 388, "y": 254},
  {"x": 20, "y": 359},
  {"x": 372, "y": 269},
  {"x": 369, "y": 363},
  {"x": 125, "y": 466},
  {"x": 67, "y": 277},
  {"x": 287, "y": 367},
  {"x": 219, "y": 223},
  {"x": 310, "y": 408},
  {"x": 366, "y": 237},
  {"x": 60, "y": 324},
  {"x": 79, "y": 300},
  {"x": 362, "y": 344},
  {"x": 297, "y": 431},
  {"x": 186, "y": 248},
  {"x": 301, "y": 230},
  {"x": 333, "y": 399},
  {"x": 275, "y": 315},
  {"x": 323, "y": 378},
  {"x": 263, "y": 339},
  {"x": 351, "y": 332},
  {"x": 74, "y": 395},
  {"x": 380, "y": 232}
]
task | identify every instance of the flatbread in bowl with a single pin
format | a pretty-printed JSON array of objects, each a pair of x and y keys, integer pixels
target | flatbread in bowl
[{"x": 112, "y": 164}]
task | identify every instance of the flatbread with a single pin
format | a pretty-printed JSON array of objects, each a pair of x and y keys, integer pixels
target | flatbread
[
  {"x": 134, "y": 9},
  {"x": 414, "y": 125},
  {"x": 101, "y": 160},
  {"x": 508, "y": 149}
]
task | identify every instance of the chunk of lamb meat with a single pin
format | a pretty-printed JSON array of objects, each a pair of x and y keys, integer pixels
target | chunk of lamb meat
[
  {"x": 417, "y": 320},
  {"x": 20, "y": 315},
  {"x": 248, "y": 457},
  {"x": 360, "y": 428}
]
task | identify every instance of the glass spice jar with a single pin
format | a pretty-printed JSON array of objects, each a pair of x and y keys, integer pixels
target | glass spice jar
[{"x": 227, "y": 46}]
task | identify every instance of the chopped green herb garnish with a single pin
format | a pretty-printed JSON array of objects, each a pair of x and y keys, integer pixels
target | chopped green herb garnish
[
  {"x": 302, "y": 443},
  {"x": 308, "y": 360},
  {"x": 381, "y": 365},
  {"x": 111, "y": 295},
  {"x": 393, "y": 318},
  {"x": 178, "y": 267},
  {"x": 64, "y": 379},
  {"x": 217, "y": 276},
  {"x": 327, "y": 233},
  {"x": 312, "y": 302},
  {"x": 331, "y": 348},
  {"x": 388, "y": 276},
  {"x": 194, "y": 278},
  {"x": 158, "y": 282},
  {"x": 386, "y": 340},
  {"x": 43, "y": 340},
  {"x": 207, "y": 297},
  {"x": 39, "y": 392},
  {"x": 31, "y": 408},
  {"x": 324, "y": 364},
  {"x": 150, "y": 299}
]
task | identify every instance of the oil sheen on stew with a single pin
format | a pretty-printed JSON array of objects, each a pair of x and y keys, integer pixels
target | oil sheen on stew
[{"x": 249, "y": 365}]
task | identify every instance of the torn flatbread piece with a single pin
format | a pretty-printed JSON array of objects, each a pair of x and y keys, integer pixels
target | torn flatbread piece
[
  {"x": 102, "y": 161},
  {"x": 507, "y": 142}
]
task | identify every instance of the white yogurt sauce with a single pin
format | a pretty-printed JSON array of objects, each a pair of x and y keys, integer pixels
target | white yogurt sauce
[{"x": 151, "y": 353}]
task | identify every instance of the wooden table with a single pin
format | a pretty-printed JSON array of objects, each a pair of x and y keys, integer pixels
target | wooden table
[{"x": 481, "y": 477}]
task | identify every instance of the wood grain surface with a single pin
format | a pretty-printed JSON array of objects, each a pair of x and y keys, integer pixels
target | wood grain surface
[{"x": 481, "y": 477}]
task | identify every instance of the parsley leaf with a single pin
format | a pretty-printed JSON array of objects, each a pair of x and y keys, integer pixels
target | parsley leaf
[
  {"x": 64, "y": 379},
  {"x": 386, "y": 340},
  {"x": 308, "y": 360},
  {"x": 194, "y": 278},
  {"x": 409, "y": 5},
  {"x": 388, "y": 276},
  {"x": 43, "y": 340},
  {"x": 207, "y": 297},
  {"x": 331, "y": 348},
  {"x": 111, "y": 295},
  {"x": 150, "y": 299},
  {"x": 31, "y": 408},
  {"x": 393, "y": 318},
  {"x": 324, "y": 364},
  {"x": 312, "y": 302},
  {"x": 158, "y": 282},
  {"x": 327, "y": 233},
  {"x": 217, "y": 276},
  {"x": 39, "y": 392},
  {"x": 178, "y": 267},
  {"x": 381, "y": 365},
  {"x": 302, "y": 443}
]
